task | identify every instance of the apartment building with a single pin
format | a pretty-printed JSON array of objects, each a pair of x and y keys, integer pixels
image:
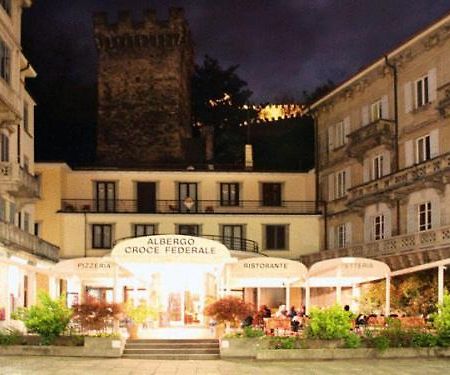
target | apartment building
[
  {"x": 383, "y": 157},
  {"x": 25, "y": 259}
]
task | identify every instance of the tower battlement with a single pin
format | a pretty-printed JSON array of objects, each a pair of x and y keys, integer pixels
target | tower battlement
[{"x": 146, "y": 33}]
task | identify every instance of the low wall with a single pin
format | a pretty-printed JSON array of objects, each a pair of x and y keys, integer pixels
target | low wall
[
  {"x": 241, "y": 347},
  {"x": 360, "y": 353},
  {"x": 93, "y": 347}
]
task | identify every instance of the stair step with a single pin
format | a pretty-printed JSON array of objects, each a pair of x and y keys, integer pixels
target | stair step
[
  {"x": 173, "y": 346},
  {"x": 173, "y": 356},
  {"x": 172, "y": 341},
  {"x": 171, "y": 351}
]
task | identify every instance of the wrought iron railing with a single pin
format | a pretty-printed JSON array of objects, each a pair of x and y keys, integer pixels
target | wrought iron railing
[
  {"x": 190, "y": 207},
  {"x": 232, "y": 243},
  {"x": 15, "y": 237}
]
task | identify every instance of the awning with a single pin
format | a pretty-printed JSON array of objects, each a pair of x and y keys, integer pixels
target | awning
[
  {"x": 267, "y": 272},
  {"x": 346, "y": 271}
]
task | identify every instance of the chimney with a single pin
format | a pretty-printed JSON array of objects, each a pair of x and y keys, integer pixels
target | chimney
[{"x": 248, "y": 157}]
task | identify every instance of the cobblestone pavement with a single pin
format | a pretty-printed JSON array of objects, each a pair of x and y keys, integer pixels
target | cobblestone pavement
[{"x": 71, "y": 366}]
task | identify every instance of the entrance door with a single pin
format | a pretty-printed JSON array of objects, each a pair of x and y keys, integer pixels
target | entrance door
[
  {"x": 146, "y": 197},
  {"x": 187, "y": 197}
]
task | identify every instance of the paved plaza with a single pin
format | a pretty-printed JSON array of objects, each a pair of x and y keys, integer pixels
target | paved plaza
[{"x": 71, "y": 366}]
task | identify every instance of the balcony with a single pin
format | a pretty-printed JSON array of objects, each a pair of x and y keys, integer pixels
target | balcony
[
  {"x": 189, "y": 207},
  {"x": 18, "y": 182},
  {"x": 398, "y": 252},
  {"x": 432, "y": 173},
  {"x": 380, "y": 132},
  {"x": 232, "y": 243},
  {"x": 13, "y": 237}
]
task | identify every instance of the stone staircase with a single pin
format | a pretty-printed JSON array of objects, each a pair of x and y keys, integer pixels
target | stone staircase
[{"x": 172, "y": 349}]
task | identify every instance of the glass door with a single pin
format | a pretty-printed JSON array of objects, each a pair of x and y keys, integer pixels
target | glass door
[{"x": 187, "y": 197}]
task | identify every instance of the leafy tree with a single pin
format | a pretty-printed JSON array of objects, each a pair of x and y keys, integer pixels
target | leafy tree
[
  {"x": 229, "y": 309},
  {"x": 330, "y": 323},
  {"x": 220, "y": 103},
  {"x": 318, "y": 92}
]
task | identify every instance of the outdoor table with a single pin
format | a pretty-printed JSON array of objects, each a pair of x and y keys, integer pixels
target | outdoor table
[{"x": 274, "y": 324}]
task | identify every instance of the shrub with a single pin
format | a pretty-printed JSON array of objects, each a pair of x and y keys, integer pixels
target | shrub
[
  {"x": 352, "y": 341},
  {"x": 423, "y": 340},
  {"x": 252, "y": 332},
  {"x": 328, "y": 324},
  {"x": 380, "y": 342},
  {"x": 229, "y": 310},
  {"x": 441, "y": 320},
  {"x": 10, "y": 336},
  {"x": 93, "y": 314},
  {"x": 48, "y": 318},
  {"x": 140, "y": 313},
  {"x": 283, "y": 343}
]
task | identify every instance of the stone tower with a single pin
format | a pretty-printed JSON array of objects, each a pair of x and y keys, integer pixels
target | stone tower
[{"x": 144, "y": 74}]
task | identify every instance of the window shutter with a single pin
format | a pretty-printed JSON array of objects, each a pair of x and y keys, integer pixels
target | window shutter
[
  {"x": 408, "y": 97},
  {"x": 386, "y": 163},
  {"x": 409, "y": 153},
  {"x": 330, "y": 138},
  {"x": 387, "y": 224},
  {"x": 368, "y": 222},
  {"x": 434, "y": 143},
  {"x": 412, "y": 219},
  {"x": 366, "y": 170},
  {"x": 365, "y": 115},
  {"x": 331, "y": 187},
  {"x": 432, "y": 84},
  {"x": 384, "y": 107},
  {"x": 348, "y": 234},
  {"x": 435, "y": 213},
  {"x": 346, "y": 128},
  {"x": 348, "y": 179},
  {"x": 331, "y": 237}
]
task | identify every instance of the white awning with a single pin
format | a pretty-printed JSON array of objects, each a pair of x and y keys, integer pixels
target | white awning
[
  {"x": 90, "y": 268},
  {"x": 346, "y": 271},
  {"x": 267, "y": 272}
]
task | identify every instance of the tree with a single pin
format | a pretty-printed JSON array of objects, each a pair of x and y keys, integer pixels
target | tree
[{"x": 220, "y": 103}]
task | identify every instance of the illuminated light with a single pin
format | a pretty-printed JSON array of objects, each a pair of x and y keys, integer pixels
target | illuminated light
[{"x": 18, "y": 260}]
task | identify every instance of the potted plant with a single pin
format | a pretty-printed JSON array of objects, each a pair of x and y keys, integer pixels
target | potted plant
[{"x": 138, "y": 315}]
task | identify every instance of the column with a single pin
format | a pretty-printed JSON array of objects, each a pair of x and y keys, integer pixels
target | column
[
  {"x": 115, "y": 284},
  {"x": 307, "y": 298},
  {"x": 338, "y": 294},
  {"x": 441, "y": 284},
  {"x": 388, "y": 296},
  {"x": 288, "y": 296},
  {"x": 258, "y": 298}
]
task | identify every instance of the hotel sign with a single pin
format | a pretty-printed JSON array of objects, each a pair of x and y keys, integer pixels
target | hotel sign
[{"x": 171, "y": 249}]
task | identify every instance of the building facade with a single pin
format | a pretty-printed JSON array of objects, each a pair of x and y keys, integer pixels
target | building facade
[
  {"x": 144, "y": 75},
  {"x": 25, "y": 259},
  {"x": 384, "y": 156}
]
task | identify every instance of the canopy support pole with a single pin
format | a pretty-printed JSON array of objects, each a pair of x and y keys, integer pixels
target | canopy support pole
[
  {"x": 288, "y": 295},
  {"x": 115, "y": 295},
  {"x": 338, "y": 294},
  {"x": 258, "y": 298},
  {"x": 441, "y": 284},
  {"x": 307, "y": 298},
  {"x": 388, "y": 296},
  {"x": 355, "y": 296}
]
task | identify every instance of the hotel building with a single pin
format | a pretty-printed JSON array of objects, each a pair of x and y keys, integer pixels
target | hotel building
[{"x": 25, "y": 259}]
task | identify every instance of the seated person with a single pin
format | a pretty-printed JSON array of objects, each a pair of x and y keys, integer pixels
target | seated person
[{"x": 282, "y": 312}]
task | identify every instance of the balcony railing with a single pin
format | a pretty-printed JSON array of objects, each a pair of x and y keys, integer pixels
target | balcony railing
[
  {"x": 399, "y": 246},
  {"x": 370, "y": 136},
  {"x": 189, "y": 207},
  {"x": 18, "y": 181},
  {"x": 14, "y": 237},
  {"x": 232, "y": 243},
  {"x": 401, "y": 182}
]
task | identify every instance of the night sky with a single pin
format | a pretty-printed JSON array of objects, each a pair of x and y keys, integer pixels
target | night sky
[{"x": 283, "y": 47}]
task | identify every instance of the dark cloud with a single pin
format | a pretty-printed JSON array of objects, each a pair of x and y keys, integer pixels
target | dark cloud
[{"x": 282, "y": 47}]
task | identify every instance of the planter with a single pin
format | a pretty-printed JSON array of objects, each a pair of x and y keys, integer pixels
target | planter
[
  {"x": 321, "y": 344},
  {"x": 133, "y": 331},
  {"x": 241, "y": 347},
  {"x": 93, "y": 347}
]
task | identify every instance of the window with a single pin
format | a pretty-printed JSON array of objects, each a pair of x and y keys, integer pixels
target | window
[
  {"x": 2, "y": 209},
  {"x": 12, "y": 213},
  {"x": 341, "y": 232},
  {"x": 377, "y": 167},
  {"x": 376, "y": 111},
  {"x": 423, "y": 149},
  {"x": 5, "y": 148},
  {"x": 229, "y": 194},
  {"x": 144, "y": 230},
  {"x": 422, "y": 92},
  {"x": 232, "y": 236},
  {"x": 26, "y": 222},
  {"x": 378, "y": 228},
  {"x": 340, "y": 186},
  {"x": 37, "y": 229},
  {"x": 187, "y": 197},
  {"x": 271, "y": 194},
  {"x": 276, "y": 237},
  {"x": 5, "y": 61},
  {"x": 340, "y": 136},
  {"x": 424, "y": 213},
  {"x": 189, "y": 229},
  {"x": 26, "y": 123},
  {"x": 25, "y": 290},
  {"x": 6, "y": 5},
  {"x": 105, "y": 196},
  {"x": 101, "y": 236}
]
